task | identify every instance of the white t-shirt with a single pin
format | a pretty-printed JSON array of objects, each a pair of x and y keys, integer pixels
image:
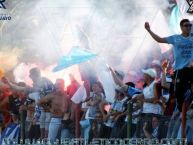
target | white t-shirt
[
  {"x": 148, "y": 93},
  {"x": 118, "y": 106},
  {"x": 92, "y": 110}
]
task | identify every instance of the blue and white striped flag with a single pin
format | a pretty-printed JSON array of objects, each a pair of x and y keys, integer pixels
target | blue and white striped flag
[
  {"x": 132, "y": 91},
  {"x": 11, "y": 132}
]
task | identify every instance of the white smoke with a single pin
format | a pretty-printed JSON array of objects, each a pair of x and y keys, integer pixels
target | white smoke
[{"x": 46, "y": 30}]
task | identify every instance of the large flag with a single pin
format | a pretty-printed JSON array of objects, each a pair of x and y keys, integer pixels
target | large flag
[
  {"x": 11, "y": 132},
  {"x": 75, "y": 56},
  {"x": 175, "y": 19},
  {"x": 80, "y": 95}
]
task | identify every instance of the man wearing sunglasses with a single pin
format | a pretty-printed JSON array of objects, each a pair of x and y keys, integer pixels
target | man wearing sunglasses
[{"x": 183, "y": 57}]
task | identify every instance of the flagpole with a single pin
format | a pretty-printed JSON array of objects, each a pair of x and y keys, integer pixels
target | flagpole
[
  {"x": 129, "y": 123},
  {"x": 22, "y": 123}
]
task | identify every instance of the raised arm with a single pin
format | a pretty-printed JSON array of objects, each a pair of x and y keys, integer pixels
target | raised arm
[
  {"x": 18, "y": 88},
  {"x": 153, "y": 35},
  {"x": 14, "y": 86},
  {"x": 163, "y": 79},
  {"x": 116, "y": 79}
]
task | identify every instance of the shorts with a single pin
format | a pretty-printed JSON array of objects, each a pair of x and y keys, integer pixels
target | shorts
[
  {"x": 45, "y": 118},
  {"x": 183, "y": 80},
  {"x": 34, "y": 132}
]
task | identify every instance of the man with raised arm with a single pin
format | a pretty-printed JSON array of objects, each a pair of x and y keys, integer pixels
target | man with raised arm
[
  {"x": 41, "y": 86},
  {"x": 183, "y": 65}
]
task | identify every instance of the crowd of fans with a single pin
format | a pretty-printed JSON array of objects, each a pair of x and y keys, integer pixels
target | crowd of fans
[{"x": 48, "y": 111}]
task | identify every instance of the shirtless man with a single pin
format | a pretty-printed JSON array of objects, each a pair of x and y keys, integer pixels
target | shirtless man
[{"x": 58, "y": 106}]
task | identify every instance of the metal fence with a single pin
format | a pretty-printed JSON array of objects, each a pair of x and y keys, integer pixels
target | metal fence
[
  {"x": 163, "y": 124},
  {"x": 98, "y": 141},
  {"x": 168, "y": 129}
]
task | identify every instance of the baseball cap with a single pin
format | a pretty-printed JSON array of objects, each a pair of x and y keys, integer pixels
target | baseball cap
[{"x": 151, "y": 72}]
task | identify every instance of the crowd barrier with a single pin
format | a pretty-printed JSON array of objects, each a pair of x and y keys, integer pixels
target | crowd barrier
[
  {"x": 99, "y": 141},
  {"x": 163, "y": 125}
]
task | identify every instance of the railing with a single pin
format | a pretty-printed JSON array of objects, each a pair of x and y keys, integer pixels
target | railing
[
  {"x": 165, "y": 125},
  {"x": 98, "y": 141}
]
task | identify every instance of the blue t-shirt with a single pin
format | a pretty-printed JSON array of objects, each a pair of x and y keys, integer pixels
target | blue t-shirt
[
  {"x": 183, "y": 50},
  {"x": 132, "y": 91}
]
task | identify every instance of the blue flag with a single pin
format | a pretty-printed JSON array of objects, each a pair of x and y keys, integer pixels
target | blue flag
[
  {"x": 75, "y": 56},
  {"x": 132, "y": 91},
  {"x": 11, "y": 132}
]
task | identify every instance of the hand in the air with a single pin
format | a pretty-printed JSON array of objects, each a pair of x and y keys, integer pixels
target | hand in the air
[
  {"x": 4, "y": 80},
  {"x": 165, "y": 65},
  {"x": 147, "y": 26}
]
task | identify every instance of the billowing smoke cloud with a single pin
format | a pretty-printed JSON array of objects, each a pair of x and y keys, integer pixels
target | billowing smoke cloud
[
  {"x": 43, "y": 31},
  {"x": 9, "y": 58}
]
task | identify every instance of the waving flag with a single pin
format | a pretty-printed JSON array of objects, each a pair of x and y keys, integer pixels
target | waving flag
[
  {"x": 75, "y": 56},
  {"x": 80, "y": 95},
  {"x": 133, "y": 91},
  {"x": 175, "y": 19},
  {"x": 11, "y": 132}
]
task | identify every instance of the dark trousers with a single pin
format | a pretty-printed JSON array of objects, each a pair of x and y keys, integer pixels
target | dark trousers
[
  {"x": 115, "y": 132},
  {"x": 105, "y": 131},
  {"x": 34, "y": 132},
  {"x": 123, "y": 131},
  {"x": 183, "y": 79}
]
